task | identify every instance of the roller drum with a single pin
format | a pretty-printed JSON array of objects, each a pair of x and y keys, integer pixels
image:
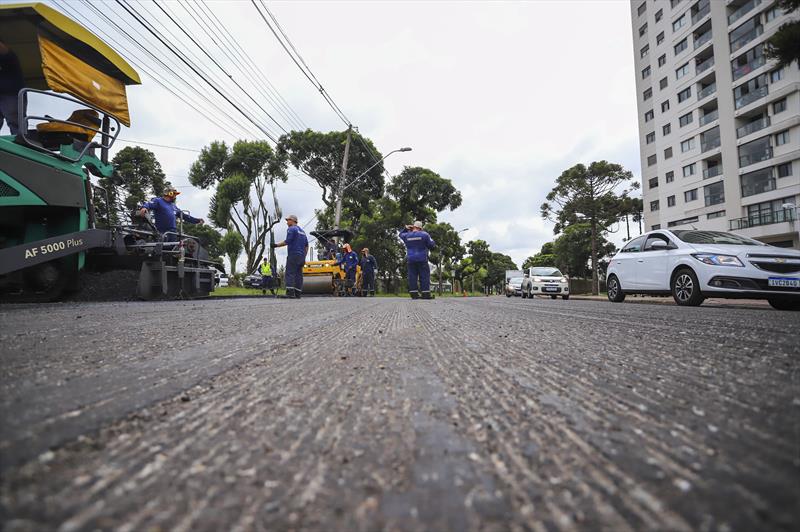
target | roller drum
[{"x": 318, "y": 284}]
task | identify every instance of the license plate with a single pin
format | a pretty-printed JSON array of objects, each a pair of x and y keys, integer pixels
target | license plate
[
  {"x": 549, "y": 289},
  {"x": 784, "y": 282}
]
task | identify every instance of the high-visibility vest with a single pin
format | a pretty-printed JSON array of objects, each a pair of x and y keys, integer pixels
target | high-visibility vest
[{"x": 266, "y": 270}]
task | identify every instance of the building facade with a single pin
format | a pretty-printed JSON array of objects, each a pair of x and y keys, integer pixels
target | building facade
[{"x": 719, "y": 124}]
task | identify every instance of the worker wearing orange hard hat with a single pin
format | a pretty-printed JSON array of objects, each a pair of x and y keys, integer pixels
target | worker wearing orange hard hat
[{"x": 166, "y": 212}]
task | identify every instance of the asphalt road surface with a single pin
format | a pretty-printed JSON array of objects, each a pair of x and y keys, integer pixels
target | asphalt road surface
[{"x": 391, "y": 414}]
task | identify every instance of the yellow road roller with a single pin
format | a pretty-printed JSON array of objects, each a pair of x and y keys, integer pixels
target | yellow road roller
[{"x": 324, "y": 276}]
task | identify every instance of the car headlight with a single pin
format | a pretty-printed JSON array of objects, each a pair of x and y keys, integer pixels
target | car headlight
[
  {"x": 563, "y": 280},
  {"x": 718, "y": 260},
  {"x": 537, "y": 279}
]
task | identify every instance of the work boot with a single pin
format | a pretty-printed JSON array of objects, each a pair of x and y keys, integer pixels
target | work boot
[
  {"x": 297, "y": 293},
  {"x": 428, "y": 295},
  {"x": 263, "y": 292},
  {"x": 414, "y": 295}
]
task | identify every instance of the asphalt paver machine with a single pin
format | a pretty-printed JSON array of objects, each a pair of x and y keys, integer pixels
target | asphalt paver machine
[
  {"x": 50, "y": 220},
  {"x": 324, "y": 276}
]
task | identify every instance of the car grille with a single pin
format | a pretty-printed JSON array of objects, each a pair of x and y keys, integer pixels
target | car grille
[{"x": 777, "y": 267}]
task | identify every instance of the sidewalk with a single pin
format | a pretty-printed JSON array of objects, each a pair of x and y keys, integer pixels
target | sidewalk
[{"x": 657, "y": 300}]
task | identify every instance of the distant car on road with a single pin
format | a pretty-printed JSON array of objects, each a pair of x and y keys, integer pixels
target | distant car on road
[
  {"x": 221, "y": 280},
  {"x": 693, "y": 265},
  {"x": 514, "y": 287},
  {"x": 252, "y": 281},
  {"x": 544, "y": 281}
]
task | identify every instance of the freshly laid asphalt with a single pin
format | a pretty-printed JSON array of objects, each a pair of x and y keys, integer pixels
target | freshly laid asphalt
[{"x": 391, "y": 414}]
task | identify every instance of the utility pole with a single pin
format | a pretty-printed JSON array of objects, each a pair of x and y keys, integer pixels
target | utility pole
[{"x": 340, "y": 185}]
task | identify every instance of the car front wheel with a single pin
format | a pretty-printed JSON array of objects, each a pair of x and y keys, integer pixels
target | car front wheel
[
  {"x": 565, "y": 297},
  {"x": 614, "y": 290},
  {"x": 686, "y": 289},
  {"x": 784, "y": 304}
]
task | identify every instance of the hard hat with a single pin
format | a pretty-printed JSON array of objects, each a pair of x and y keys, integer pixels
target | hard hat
[{"x": 418, "y": 224}]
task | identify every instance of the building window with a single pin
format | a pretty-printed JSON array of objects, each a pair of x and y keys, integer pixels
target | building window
[
  {"x": 668, "y": 153},
  {"x": 682, "y": 71},
  {"x": 685, "y": 94},
  {"x": 685, "y": 119},
  {"x": 717, "y": 214},
  {"x": 670, "y": 176},
  {"x": 776, "y": 75},
  {"x": 768, "y": 212},
  {"x": 653, "y": 183},
  {"x": 647, "y": 94},
  {"x": 687, "y": 145},
  {"x": 757, "y": 182},
  {"x": 684, "y": 221},
  {"x": 654, "y": 205},
  {"x": 648, "y": 116},
  {"x": 772, "y": 14},
  {"x": 779, "y": 106},
  {"x": 650, "y": 138},
  {"x": 784, "y": 169},
  {"x": 642, "y": 8},
  {"x": 679, "y": 23},
  {"x": 681, "y": 46},
  {"x": 651, "y": 160},
  {"x": 665, "y": 106},
  {"x": 666, "y": 129},
  {"x": 662, "y": 60},
  {"x": 671, "y": 201},
  {"x": 750, "y": 91},
  {"x": 659, "y": 14},
  {"x": 714, "y": 193},
  {"x": 645, "y": 50},
  {"x": 782, "y": 138},
  {"x": 663, "y": 84},
  {"x": 659, "y": 38},
  {"x": 655, "y": 227},
  {"x": 748, "y": 62},
  {"x": 646, "y": 72},
  {"x": 643, "y": 29},
  {"x": 755, "y": 152},
  {"x": 674, "y": 3},
  {"x": 689, "y": 169},
  {"x": 690, "y": 195}
]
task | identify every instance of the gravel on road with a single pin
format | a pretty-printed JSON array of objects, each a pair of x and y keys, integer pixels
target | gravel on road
[{"x": 354, "y": 414}]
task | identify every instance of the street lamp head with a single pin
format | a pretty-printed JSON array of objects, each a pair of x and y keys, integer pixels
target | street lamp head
[{"x": 405, "y": 149}]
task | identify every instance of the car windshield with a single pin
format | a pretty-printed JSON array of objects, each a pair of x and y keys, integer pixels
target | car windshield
[
  {"x": 715, "y": 237},
  {"x": 516, "y": 280},
  {"x": 547, "y": 272}
]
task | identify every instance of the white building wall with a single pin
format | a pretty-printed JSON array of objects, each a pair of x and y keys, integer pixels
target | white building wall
[{"x": 738, "y": 29}]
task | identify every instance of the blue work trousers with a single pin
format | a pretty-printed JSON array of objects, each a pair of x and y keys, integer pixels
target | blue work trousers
[
  {"x": 419, "y": 277},
  {"x": 367, "y": 281},
  {"x": 294, "y": 272}
]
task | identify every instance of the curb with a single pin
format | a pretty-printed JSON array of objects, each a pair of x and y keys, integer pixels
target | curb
[{"x": 711, "y": 302}]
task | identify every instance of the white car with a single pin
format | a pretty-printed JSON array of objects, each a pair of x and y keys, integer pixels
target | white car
[
  {"x": 693, "y": 265},
  {"x": 222, "y": 280},
  {"x": 514, "y": 287},
  {"x": 545, "y": 282}
]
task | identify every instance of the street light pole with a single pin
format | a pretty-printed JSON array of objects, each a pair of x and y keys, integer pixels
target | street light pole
[
  {"x": 793, "y": 210},
  {"x": 339, "y": 188}
]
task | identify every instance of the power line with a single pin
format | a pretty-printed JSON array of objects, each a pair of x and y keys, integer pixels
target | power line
[{"x": 158, "y": 145}]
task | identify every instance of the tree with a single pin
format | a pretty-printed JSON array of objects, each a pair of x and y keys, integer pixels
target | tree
[
  {"x": 784, "y": 45},
  {"x": 496, "y": 271},
  {"x": 573, "y": 249},
  {"x": 209, "y": 238},
  {"x": 319, "y": 155},
  {"x": 545, "y": 257},
  {"x": 422, "y": 193},
  {"x": 231, "y": 245},
  {"x": 631, "y": 208},
  {"x": 448, "y": 250},
  {"x": 137, "y": 177},
  {"x": 590, "y": 194},
  {"x": 240, "y": 177}
]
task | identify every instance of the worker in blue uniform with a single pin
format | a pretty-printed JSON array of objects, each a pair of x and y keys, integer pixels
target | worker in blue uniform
[
  {"x": 296, "y": 248},
  {"x": 368, "y": 267},
  {"x": 349, "y": 261},
  {"x": 166, "y": 213},
  {"x": 418, "y": 242}
]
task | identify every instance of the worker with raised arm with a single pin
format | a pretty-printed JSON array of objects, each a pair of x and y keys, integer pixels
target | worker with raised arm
[
  {"x": 349, "y": 261},
  {"x": 418, "y": 242},
  {"x": 368, "y": 267},
  {"x": 297, "y": 248},
  {"x": 166, "y": 214}
]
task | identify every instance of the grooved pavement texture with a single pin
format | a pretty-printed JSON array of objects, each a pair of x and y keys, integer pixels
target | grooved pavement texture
[{"x": 454, "y": 414}]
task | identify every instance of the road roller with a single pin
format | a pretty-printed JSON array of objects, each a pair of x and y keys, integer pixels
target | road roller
[{"x": 324, "y": 276}]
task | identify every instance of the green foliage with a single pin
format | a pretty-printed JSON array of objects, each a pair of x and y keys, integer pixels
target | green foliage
[
  {"x": 573, "y": 249},
  {"x": 241, "y": 177},
  {"x": 137, "y": 177},
  {"x": 421, "y": 193},
  {"x": 480, "y": 253},
  {"x": 448, "y": 250},
  {"x": 496, "y": 271},
  {"x": 231, "y": 245},
  {"x": 784, "y": 45},
  {"x": 209, "y": 238}
]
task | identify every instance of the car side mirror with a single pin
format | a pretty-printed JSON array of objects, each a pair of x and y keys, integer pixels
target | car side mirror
[{"x": 660, "y": 244}]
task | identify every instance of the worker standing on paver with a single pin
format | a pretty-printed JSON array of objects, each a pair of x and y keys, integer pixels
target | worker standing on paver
[
  {"x": 418, "y": 242},
  {"x": 166, "y": 213},
  {"x": 368, "y": 267},
  {"x": 266, "y": 277},
  {"x": 349, "y": 262},
  {"x": 297, "y": 248}
]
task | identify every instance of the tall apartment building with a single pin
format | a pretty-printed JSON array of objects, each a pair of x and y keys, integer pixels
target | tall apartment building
[{"x": 719, "y": 125}]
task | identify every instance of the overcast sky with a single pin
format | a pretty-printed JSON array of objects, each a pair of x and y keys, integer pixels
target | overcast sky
[{"x": 499, "y": 97}]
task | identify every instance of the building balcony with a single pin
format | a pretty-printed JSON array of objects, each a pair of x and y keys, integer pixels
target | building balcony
[
  {"x": 746, "y": 38},
  {"x": 764, "y": 218},
  {"x": 709, "y": 117},
  {"x": 755, "y": 157},
  {"x": 752, "y": 127},
  {"x": 709, "y": 144},
  {"x": 702, "y": 12},
  {"x": 742, "y": 11},
  {"x": 764, "y": 185},
  {"x": 749, "y": 67},
  {"x": 700, "y": 40},
  {"x": 705, "y": 65},
  {"x": 708, "y": 91},
  {"x": 751, "y": 96},
  {"x": 712, "y": 171}
]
